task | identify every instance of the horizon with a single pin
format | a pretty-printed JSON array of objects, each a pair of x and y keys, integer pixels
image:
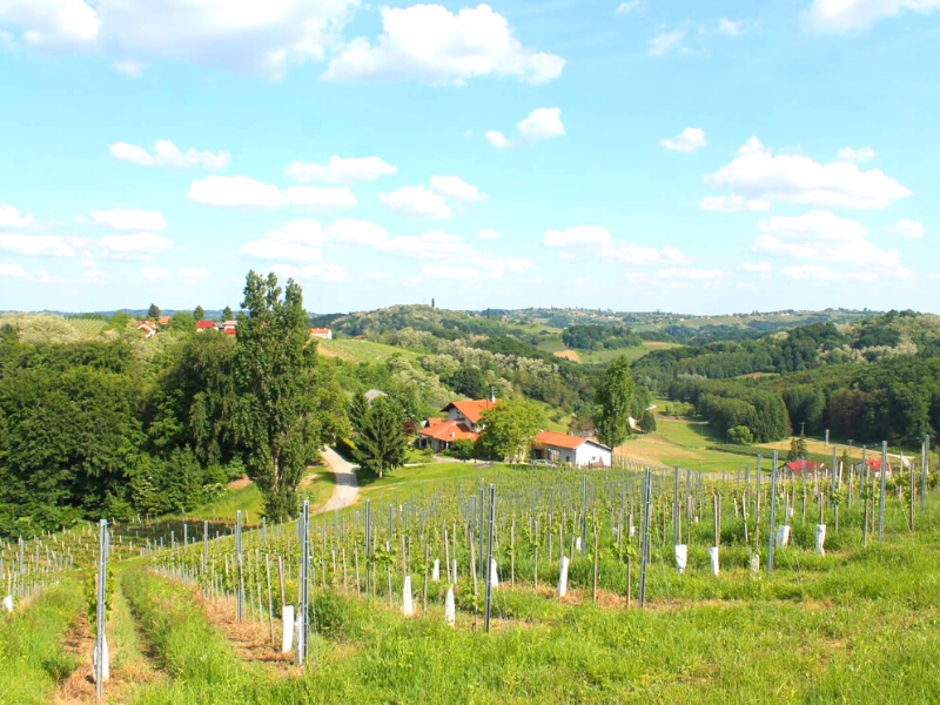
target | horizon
[{"x": 633, "y": 156}]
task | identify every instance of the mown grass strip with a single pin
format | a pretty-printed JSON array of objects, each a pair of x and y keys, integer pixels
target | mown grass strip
[{"x": 31, "y": 658}]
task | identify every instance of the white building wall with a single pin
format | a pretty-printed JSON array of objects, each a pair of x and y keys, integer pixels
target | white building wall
[{"x": 589, "y": 453}]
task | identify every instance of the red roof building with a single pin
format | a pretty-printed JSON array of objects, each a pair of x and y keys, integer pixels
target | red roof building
[
  {"x": 204, "y": 325},
  {"x": 800, "y": 467},
  {"x": 469, "y": 410}
]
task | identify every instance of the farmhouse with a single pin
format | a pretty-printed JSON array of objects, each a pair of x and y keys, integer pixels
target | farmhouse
[
  {"x": 325, "y": 333},
  {"x": 148, "y": 328},
  {"x": 801, "y": 467},
  {"x": 571, "y": 450},
  {"x": 229, "y": 328},
  {"x": 462, "y": 423},
  {"x": 205, "y": 325}
]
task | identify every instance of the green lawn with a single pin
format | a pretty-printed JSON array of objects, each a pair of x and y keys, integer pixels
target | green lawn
[
  {"x": 603, "y": 357},
  {"x": 418, "y": 477}
]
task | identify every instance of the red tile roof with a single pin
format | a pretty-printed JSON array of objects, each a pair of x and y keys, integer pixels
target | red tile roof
[
  {"x": 559, "y": 440},
  {"x": 801, "y": 466},
  {"x": 471, "y": 409},
  {"x": 164, "y": 320},
  {"x": 448, "y": 432},
  {"x": 202, "y": 325},
  {"x": 319, "y": 331}
]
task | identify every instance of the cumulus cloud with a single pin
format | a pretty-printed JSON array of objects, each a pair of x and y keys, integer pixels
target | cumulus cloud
[
  {"x": 733, "y": 204},
  {"x": 758, "y": 267},
  {"x": 276, "y": 250},
  {"x": 303, "y": 232},
  {"x": 416, "y": 202},
  {"x": 628, "y": 6},
  {"x": 10, "y": 217},
  {"x": 457, "y": 188},
  {"x": 856, "y": 156},
  {"x": 192, "y": 273},
  {"x": 136, "y": 246},
  {"x": 666, "y": 43},
  {"x": 497, "y": 139},
  {"x": 165, "y": 153},
  {"x": 429, "y": 44},
  {"x": 758, "y": 173},
  {"x": 254, "y": 37},
  {"x": 820, "y": 237},
  {"x": 51, "y": 24},
  {"x": 689, "y": 140},
  {"x": 341, "y": 171},
  {"x": 692, "y": 274},
  {"x": 599, "y": 242},
  {"x": 12, "y": 271},
  {"x": 909, "y": 228},
  {"x": 129, "y": 67},
  {"x": 730, "y": 28},
  {"x": 541, "y": 124},
  {"x": 153, "y": 274},
  {"x": 243, "y": 192},
  {"x": 330, "y": 273},
  {"x": 487, "y": 234},
  {"x": 851, "y": 16},
  {"x": 478, "y": 266},
  {"x": 38, "y": 245},
  {"x": 122, "y": 219}
]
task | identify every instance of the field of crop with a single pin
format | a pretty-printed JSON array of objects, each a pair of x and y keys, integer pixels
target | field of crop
[{"x": 195, "y": 622}]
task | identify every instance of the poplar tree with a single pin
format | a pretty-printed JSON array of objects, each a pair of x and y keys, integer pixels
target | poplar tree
[{"x": 613, "y": 400}]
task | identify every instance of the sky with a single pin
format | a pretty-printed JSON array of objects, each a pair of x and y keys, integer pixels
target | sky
[{"x": 629, "y": 155}]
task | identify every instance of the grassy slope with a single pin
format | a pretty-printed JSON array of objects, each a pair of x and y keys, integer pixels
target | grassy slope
[
  {"x": 419, "y": 478},
  {"x": 363, "y": 350},
  {"x": 633, "y": 354},
  {"x": 682, "y": 442},
  {"x": 31, "y": 662}
]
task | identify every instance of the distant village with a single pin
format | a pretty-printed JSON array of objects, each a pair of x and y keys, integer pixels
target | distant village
[{"x": 230, "y": 328}]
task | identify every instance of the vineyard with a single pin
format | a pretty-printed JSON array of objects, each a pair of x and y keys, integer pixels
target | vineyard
[{"x": 527, "y": 583}]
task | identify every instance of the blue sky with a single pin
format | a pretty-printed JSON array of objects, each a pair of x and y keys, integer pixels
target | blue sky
[{"x": 698, "y": 157}]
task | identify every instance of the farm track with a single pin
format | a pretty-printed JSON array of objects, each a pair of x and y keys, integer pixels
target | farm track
[
  {"x": 79, "y": 642},
  {"x": 251, "y": 641},
  {"x": 347, "y": 486}
]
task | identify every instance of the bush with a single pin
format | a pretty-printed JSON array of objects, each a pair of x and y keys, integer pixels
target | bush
[{"x": 740, "y": 435}]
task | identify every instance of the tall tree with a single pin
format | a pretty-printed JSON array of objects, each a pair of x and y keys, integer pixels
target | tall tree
[
  {"x": 227, "y": 314},
  {"x": 153, "y": 313},
  {"x": 614, "y": 400},
  {"x": 380, "y": 439},
  {"x": 797, "y": 449},
  {"x": 276, "y": 420},
  {"x": 199, "y": 314},
  {"x": 358, "y": 411},
  {"x": 509, "y": 428}
]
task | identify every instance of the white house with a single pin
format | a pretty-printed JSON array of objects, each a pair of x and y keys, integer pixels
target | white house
[
  {"x": 571, "y": 450},
  {"x": 325, "y": 333}
]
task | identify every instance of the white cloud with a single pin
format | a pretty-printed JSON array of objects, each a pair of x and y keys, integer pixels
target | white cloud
[
  {"x": 598, "y": 241},
  {"x": 273, "y": 249},
  {"x": 129, "y": 67},
  {"x": 303, "y": 232},
  {"x": 349, "y": 231},
  {"x": 689, "y": 140},
  {"x": 478, "y": 266},
  {"x": 665, "y": 43},
  {"x": 10, "y": 217},
  {"x": 429, "y": 44},
  {"x": 693, "y": 274},
  {"x": 152, "y": 274},
  {"x": 243, "y": 192},
  {"x": 12, "y": 271},
  {"x": 757, "y": 173},
  {"x": 497, "y": 139},
  {"x": 487, "y": 234},
  {"x": 541, "y": 124},
  {"x": 730, "y": 28},
  {"x": 455, "y": 187},
  {"x": 136, "y": 246},
  {"x": 733, "y": 204},
  {"x": 416, "y": 202},
  {"x": 37, "y": 245},
  {"x": 628, "y": 6},
  {"x": 49, "y": 24},
  {"x": 192, "y": 273},
  {"x": 820, "y": 236},
  {"x": 856, "y": 156},
  {"x": 330, "y": 273},
  {"x": 758, "y": 267},
  {"x": 129, "y": 219},
  {"x": 341, "y": 171},
  {"x": 165, "y": 153},
  {"x": 577, "y": 236},
  {"x": 850, "y": 16},
  {"x": 909, "y": 228}
]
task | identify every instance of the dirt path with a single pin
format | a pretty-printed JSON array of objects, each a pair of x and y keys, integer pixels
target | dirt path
[
  {"x": 251, "y": 640},
  {"x": 347, "y": 487}
]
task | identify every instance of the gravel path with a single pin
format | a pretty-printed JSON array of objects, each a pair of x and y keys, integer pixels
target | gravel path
[{"x": 347, "y": 487}]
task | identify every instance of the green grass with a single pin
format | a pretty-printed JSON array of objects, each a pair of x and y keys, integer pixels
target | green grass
[
  {"x": 31, "y": 660},
  {"x": 420, "y": 478},
  {"x": 604, "y": 357},
  {"x": 682, "y": 442},
  {"x": 364, "y": 350}
]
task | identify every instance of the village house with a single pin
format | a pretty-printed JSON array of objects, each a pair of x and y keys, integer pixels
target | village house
[
  {"x": 205, "y": 325},
  {"x": 570, "y": 450},
  {"x": 325, "y": 333},
  {"x": 148, "y": 328}
]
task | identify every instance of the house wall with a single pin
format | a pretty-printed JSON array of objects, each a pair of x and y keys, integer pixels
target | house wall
[{"x": 589, "y": 453}]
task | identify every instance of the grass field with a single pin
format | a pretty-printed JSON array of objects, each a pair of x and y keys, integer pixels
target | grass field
[
  {"x": 363, "y": 350},
  {"x": 682, "y": 442},
  {"x": 603, "y": 357},
  {"x": 419, "y": 478}
]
